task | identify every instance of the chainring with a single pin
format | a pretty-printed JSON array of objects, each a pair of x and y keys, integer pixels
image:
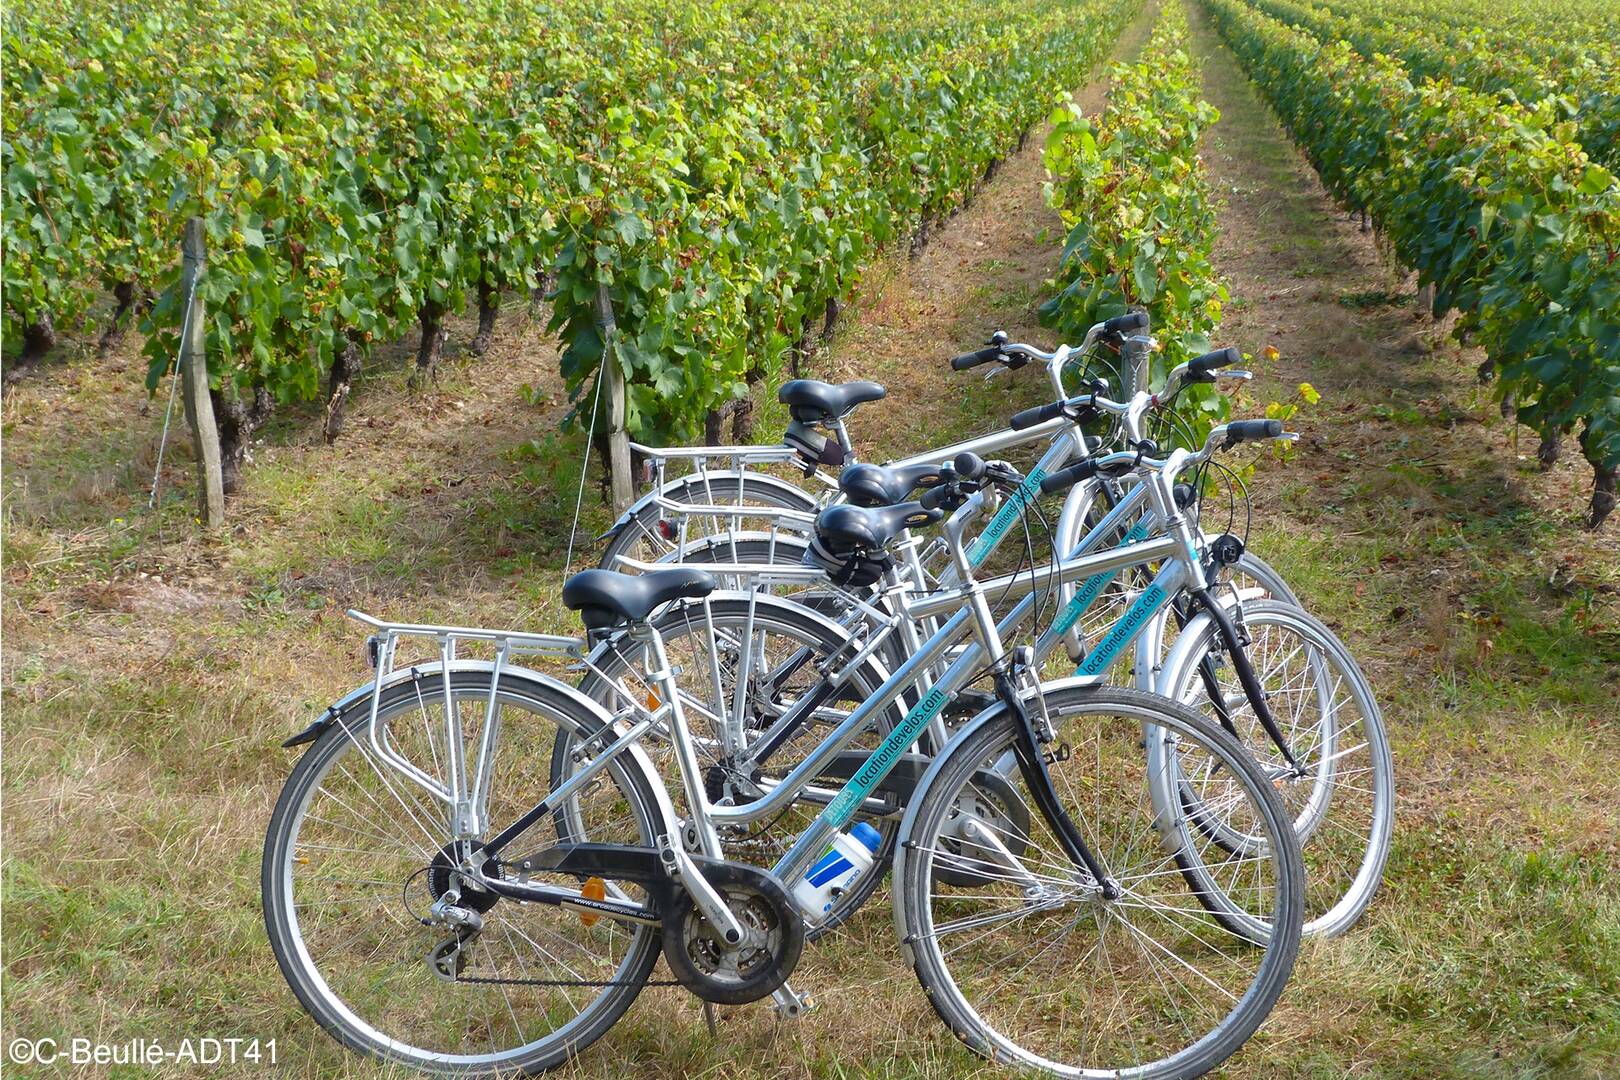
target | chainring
[{"x": 773, "y": 937}]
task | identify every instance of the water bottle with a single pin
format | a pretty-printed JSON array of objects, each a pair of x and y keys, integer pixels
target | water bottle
[{"x": 850, "y": 856}]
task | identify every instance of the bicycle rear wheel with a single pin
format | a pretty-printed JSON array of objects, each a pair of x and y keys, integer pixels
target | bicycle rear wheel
[
  {"x": 1029, "y": 961},
  {"x": 355, "y": 856}
]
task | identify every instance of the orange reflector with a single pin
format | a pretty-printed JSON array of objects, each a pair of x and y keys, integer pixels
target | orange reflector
[
  {"x": 652, "y": 701},
  {"x": 593, "y": 889}
]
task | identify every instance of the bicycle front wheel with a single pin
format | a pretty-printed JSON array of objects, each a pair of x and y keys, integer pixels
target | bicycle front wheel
[
  {"x": 1341, "y": 795},
  {"x": 1028, "y": 958}
]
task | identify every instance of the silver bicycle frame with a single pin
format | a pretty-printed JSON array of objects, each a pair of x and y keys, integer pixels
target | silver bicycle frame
[{"x": 967, "y": 604}]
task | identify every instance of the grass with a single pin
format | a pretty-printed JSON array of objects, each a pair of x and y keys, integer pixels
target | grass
[{"x": 150, "y": 673}]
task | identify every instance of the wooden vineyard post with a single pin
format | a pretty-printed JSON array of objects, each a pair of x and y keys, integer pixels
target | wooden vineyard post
[
  {"x": 1425, "y": 299},
  {"x": 623, "y": 484},
  {"x": 194, "y": 372}
]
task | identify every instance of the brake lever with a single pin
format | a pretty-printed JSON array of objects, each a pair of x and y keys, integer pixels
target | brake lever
[{"x": 1003, "y": 475}]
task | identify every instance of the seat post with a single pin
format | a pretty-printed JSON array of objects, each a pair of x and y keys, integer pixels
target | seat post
[
  {"x": 836, "y": 426},
  {"x": 697, "y": 799}
]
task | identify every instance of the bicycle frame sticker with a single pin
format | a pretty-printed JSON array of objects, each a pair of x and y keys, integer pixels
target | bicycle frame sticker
[
  {"x": 1094, "y": 585},
  {"x": 842, "y": 808},
  {"x": 987, "y": 541},
  {"x": 1123, "y": 632}
]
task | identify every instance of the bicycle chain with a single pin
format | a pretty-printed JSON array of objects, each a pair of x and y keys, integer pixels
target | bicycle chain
[{"x": 490, "y": 980}]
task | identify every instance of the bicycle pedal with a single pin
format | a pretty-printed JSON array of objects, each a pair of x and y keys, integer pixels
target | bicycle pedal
[{"x": 791, "y": 1005}]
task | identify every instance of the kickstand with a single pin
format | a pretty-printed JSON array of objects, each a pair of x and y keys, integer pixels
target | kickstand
[{"x": 708, "y": 1018}]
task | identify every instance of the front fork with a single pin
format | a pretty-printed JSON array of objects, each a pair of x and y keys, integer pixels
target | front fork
[
  {"x": 1032, "y": 763},
  {"x": 1246, "y": 679},
  {"x": 1208, "y": 674}
]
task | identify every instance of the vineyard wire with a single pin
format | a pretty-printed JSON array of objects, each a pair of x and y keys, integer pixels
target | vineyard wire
[
  {"x": 174, "y": 382},
  {"x": 584, "y": 470}
]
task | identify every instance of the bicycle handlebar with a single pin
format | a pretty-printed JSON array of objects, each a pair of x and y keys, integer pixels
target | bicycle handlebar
[
  {"x": 1204, "y": 369},
  {"x": 1064, "y": 479},
  {"x": 1250, "y": 430},
  {"x": 999, "y": 349},
  {"x": 1040, "y": 414},
  {"x": 1124, "y": 324},
  {"x": 974, "y": 359},
  {"x": 1222, "y": 437}
]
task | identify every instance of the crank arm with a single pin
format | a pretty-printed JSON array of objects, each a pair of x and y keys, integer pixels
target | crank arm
[
  {"x": 705, "y": 896},
  {"x": 789, "y": 1004}
]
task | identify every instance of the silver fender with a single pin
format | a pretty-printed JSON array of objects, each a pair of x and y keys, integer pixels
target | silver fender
[
  {"x": 761, "y": 599},
  {"x": 1071, "y": 529},
  {"x": 677, "y": 491},
  {"x": 358, "y": 700},
  {"x": 1185, "y": 637},
  {"x": 720, "y": 541},
  {"x": 1181, "y": 650}
]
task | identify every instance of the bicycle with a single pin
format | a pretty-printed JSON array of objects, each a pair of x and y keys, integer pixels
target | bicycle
[
  {"x": 669, "y": 520},
  {"x": 1331, "y": 715},
  {"x": 664, "y": 518},
  {"x": 1112, "y": 861}
]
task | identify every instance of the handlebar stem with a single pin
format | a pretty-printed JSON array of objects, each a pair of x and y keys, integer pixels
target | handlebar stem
[
  {"x": 1136, "y": 357},
  {"x": 984, "y": 621},
  {"x": 1139, "y": 405}
]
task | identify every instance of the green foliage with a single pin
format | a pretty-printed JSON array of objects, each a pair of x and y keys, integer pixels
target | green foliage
[
  {"x": 724, "y": 167},
  {"x": 1492, "y": 202},
  {"x": 1133, "y": 193},
  {"x": 1481, "y": 45},
  {"x": 1305, "y": 395}
]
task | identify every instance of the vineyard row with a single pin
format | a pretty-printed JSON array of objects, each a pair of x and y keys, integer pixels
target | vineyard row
[
  {"x": 725, "y": 168},
  {"x": 1494, "y": 202}
]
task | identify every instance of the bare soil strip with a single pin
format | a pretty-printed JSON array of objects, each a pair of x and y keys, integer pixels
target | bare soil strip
[
  {"x": 983, "y": 270},
  {"x": 1416, "y": 521}
]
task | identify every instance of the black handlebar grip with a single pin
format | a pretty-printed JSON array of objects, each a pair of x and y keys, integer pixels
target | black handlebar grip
[
  {"x": 1244, "y": 430},
  {"x": 974, "y": 359},
  {"x": 1204, "y": 368},
  {"x": 1067, "y": 478},
  {"x": 1119, "y": 324},
  {"x": 1039, "y": 414},
  {"x": 968, "y": 465}
]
